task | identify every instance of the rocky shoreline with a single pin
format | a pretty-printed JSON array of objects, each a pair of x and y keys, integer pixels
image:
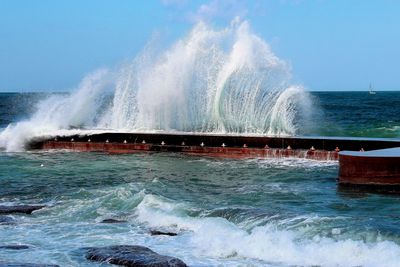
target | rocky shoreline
[{"x": 123, "y": 255}]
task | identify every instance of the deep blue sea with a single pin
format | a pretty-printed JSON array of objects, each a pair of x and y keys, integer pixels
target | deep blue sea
[{"x": 254, "y": 212}]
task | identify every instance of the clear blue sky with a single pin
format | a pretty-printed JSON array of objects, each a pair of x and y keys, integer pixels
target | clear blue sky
[{"x": 49, "y": 45}]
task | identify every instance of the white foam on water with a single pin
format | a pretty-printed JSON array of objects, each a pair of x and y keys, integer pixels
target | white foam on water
[
  {"x": 222, "y": 240},
  {"x": 284, "y": 163},
  {"x": 295, "y": 163},
  {"x": 214, "y": 81},
  {"x": 202, "y": 241},
  {"x": 56, "y": 114}
]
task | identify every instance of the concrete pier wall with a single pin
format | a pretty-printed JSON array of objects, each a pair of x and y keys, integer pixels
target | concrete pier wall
[
  {"x": 226, "y": 152},
  {"x": 213, "y": 140},
  {"x": 234, "y": 146}
]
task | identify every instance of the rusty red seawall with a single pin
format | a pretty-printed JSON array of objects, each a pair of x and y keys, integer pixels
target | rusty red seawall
[
  {"x": 354, "y": 168},
  {"x": 225, "y": 152}
]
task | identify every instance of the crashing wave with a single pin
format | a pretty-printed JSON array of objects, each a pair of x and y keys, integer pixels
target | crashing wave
[{"x": 220, "y": 81}]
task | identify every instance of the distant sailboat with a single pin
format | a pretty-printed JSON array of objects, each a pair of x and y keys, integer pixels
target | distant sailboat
[{"x": 371, "y": 91}]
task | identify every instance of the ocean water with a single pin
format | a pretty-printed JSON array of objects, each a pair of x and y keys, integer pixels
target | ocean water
[
  {"x": 255, "y": 212},
  {"x": 359, "y": 114}
]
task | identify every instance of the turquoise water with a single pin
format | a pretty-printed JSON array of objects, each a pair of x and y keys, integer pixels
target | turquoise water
[{"x": 255, "y": 212}]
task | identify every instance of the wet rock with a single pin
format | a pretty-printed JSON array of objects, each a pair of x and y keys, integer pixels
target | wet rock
[
  {"x": 158, "y": 232},
  {"x": 137, "y": 256},
  {"x": 15, "y": 247},
  {"x": 113, "y": 221},
  {"x": 27, "y": 209},
  {"x": 20, "y": 264},
  {"x": 6, "y": 219}
]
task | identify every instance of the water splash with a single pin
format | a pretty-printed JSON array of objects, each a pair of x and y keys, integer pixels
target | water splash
[
  {"x": 58, "y": 113},
  {"x": 226, "y": 81},
  {"x": 222, "y": 81}
]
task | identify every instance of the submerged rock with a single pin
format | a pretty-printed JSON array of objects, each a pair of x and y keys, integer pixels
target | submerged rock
[
  {"x": 21, "y": 264},
  {"x": 158, "y": 232},
  {"x": 16, "y": 247},
  {"x": 113, "y": 221},
  {"x": 6, "y": 219},
  {"x": 137, "y": 256},
  {"x": 27, "y": 209}
]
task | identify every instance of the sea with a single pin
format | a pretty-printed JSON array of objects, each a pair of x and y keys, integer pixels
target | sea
[{"x": 226, "y": 212}]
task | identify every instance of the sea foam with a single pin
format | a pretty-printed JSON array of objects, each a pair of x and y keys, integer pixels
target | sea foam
[{"x": 221, "y": 239}]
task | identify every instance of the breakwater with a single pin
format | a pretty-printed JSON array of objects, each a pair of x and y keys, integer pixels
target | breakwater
[{"x": 235, "y": 146}]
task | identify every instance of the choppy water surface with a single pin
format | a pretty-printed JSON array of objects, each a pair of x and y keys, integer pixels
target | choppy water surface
[{"x": 258, "y": 212}]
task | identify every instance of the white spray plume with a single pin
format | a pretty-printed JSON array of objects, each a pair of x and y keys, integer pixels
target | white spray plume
[
  {"x": 59, "y": 112},
  {"x": 225, "y": 81},
  {"x": 220, "y": 81}
]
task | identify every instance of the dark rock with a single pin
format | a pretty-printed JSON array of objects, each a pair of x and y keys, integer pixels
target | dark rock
[
  {"x": 112, "y": 221},
  {"x": 16, "y": 247},
  {"x": 20, "y": 264},
  {"x": 28, "y": 209},
  {"x": 158, "y": 232},
  {"x": 6, "y": 219},
  {"x": 137, "y": 256}
]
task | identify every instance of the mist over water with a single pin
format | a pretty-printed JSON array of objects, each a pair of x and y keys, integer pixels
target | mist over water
[{"x": 220, "y": 81}]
